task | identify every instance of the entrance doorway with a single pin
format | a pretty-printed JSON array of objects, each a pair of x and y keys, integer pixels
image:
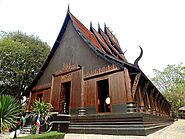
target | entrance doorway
[
  {"x": 65, "y": 97},
  {"x": 103, "y": 96}
]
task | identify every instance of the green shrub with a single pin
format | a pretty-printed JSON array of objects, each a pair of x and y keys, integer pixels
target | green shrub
[
  {"x": 9, "y": 111},
  {"x": 50, "y": 135},
  {"x": 34, "y": 129}
]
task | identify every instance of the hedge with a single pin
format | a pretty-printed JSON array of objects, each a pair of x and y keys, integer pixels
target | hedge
[{"x": 50, "y": 135}]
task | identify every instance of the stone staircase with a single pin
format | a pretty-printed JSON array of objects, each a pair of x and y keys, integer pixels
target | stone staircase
[{"x": 26, "y": 129}]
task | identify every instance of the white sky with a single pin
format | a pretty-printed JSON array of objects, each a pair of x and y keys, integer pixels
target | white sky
[{"x": 158, "y": 26}]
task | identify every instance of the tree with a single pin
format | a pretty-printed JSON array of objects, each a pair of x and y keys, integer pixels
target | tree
[
  {"x": 21, "y": 57},
  {"x": 171, "y": 82},
  {"x": 9, "y": 111}
]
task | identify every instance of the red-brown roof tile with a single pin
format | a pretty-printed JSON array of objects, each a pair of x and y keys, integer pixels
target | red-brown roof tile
[
  {"x": 89, "y": 35},
  {"x": 101, "y": 40},
  {"x": 113, "y": 39}
]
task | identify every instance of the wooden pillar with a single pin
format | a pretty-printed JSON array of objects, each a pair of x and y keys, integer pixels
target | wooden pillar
[
  {"x": 135, "y": 84},
  {"x": 157, "y": 104},
  {"x": 137, "y": 100},
  {"x": 82, "y": 110},
  {"x": 52, "y": 84},
  {"x": 162, "y": 107},
  {"x": 152, "y": 101},
  {"x": 145, "y": 96},
  {"x": 141, "y": 101},
  {"x": 148, "y": 102},
  {"x": 131, "y": 107},
  {"x": 135, "y": 89},
  {"x": 164, "y": 104}
]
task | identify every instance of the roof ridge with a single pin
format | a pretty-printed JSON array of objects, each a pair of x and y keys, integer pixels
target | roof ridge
[
  {"x": 85, "y": 32},
  {"x": 101, "y": 41},
  {"x": 113, "y": 39},
  {"x": 107, "y": 40}
]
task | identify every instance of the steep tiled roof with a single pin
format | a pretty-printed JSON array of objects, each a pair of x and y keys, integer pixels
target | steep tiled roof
[
  {"x": 112, "y": 46},
  {"x": 86, "y": 32},
  {"x": 99, "y": 42},
  {"x": 113, "y": 39},
  {"x": 105, "y": 42}
]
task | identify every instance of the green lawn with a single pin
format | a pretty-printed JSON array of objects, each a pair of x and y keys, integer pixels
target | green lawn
[{"x": 50, "y": 135}]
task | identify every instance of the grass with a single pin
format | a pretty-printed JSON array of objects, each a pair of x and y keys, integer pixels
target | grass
[{"x": 50, "y": 135}]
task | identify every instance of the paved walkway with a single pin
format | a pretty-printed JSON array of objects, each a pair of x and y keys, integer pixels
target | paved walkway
[{"x": 174, "y": 131}]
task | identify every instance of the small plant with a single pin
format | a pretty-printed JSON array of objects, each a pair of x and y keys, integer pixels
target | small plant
[
  {"x": 34, "y": 129},
  {"x": 9, "y": 111},
  {"x": 42, "y": 108}
]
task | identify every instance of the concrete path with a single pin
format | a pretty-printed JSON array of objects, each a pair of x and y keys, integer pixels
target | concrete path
[{"x": 174, "y": 131}]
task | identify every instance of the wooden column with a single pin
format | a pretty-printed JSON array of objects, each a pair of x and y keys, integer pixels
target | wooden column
[
  {"x": 141, "y": 101},
  {"x": 145, "y": 96},
  {"x": 157, "y": 104},
  {"x": 135, "y": 84},
  {"x": 165, "y": 110},
  {"x": 82, "y": 110},
  {"x": 52, "y": 84},
  {"x": 131, "y": 107},
  {"x": 148, "y": 102},
  {"x": 162, "y": 107},
  {"x": 152, "y": 101},
  {"x": 135, "y": 89}
]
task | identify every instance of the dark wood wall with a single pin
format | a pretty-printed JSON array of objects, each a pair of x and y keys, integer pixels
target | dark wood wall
[
  {"x": 76, "y": 89},
  {"x": 55, "y": 93},
  {"x": 116, "y": 91},
  {"x": 117, "y": 88},
  {"x": 72, "y": 50},
  {"x": 90, "y": 93},
  {"x": 146, "y": 99}
]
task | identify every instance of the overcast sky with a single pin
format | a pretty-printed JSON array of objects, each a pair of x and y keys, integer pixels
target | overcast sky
[{"x": 158, "y": 26}]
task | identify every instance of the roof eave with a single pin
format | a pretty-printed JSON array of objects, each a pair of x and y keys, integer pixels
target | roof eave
[{"x": 52, "y": 52}]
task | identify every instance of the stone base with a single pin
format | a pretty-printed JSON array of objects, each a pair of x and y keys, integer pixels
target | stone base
[
  {"x": 118, "y": 124},
  {"x": 60, "y": 122}
]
